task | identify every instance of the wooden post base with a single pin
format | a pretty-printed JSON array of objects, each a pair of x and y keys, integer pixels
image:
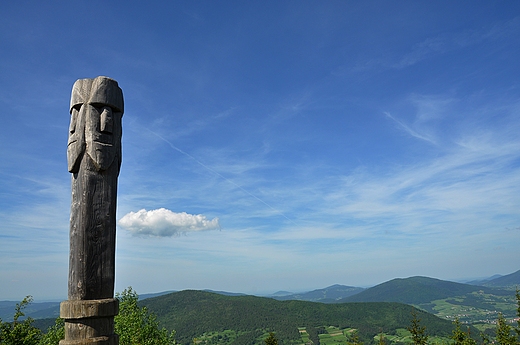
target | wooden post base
[{"x": 89, "y": 322}]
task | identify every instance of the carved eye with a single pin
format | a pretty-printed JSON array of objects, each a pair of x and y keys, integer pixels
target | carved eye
[
  {"x": 106, "y": 120},
  {"x": 73, "y": 119}
]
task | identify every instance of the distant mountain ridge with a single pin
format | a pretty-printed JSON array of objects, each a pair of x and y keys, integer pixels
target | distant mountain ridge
[
  {"x": 481, "y": 280},
  {"x": 331, "y": 294},
  {"x": 416, "y": 291},
  {"x": 510, "y": 281},
  {"x": 35, "y": 310},
  {"x": 225, "y": 293},
  {"x": 280, "y": 293},
  {"x": 155, "y": 294}
]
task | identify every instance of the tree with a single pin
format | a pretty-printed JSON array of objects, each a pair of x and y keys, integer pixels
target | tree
[
  {"x": 503, "y": 332},
  {"x": 20, "y": 333},
  {"x": 461, "y": 337},
  {"x": 54, "y": 334},
  {"x": 354, "y": 339},
  {"x": 271, "y": 339},
  {"x": 486, "y": 340},
  {"x": 382, "y": 340},
  {"x": 517, "y": 328},
  {"x": 419, "y": 336},
  {"x": 136, "y": 325}
]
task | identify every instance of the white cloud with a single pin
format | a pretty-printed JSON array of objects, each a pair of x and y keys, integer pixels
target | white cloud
[{"x": 165, "y": 223}]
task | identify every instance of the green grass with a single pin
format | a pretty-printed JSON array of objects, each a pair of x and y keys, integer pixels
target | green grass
[
  {"x": 334, "y": 336},
  {"x": 225, "y": 337},
  {"x": 337, "y": 336},
  {"x": 304, "y": 335}
]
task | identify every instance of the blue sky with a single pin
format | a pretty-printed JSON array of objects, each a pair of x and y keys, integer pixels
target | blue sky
[{"x": 269, "y": 145}]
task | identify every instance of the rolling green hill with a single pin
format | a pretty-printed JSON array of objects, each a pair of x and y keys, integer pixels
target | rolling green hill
[
  {"x": 476, "y": 305},
  {"x": 195, "y": 313},
  {"x": 417, "y": 291}
]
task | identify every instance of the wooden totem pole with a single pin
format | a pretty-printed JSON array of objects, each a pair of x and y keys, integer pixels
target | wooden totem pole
[{"x": 94, "y": 159}]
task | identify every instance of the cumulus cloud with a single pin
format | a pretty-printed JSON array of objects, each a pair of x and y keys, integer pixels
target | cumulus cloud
[{"x": 165, "y": 223}]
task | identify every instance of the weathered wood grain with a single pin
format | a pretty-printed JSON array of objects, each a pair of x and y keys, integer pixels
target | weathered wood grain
[{"x": 94, "y": 159}]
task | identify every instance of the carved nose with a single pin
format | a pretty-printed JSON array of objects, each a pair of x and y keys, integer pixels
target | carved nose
[{"x": 106, "y": 120}]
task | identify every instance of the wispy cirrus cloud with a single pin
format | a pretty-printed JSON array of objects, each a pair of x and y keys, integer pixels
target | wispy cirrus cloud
[
  {"x": 428, "y": 112},
  {"x": 452, "y": 41},
  {"x": 458, "y": 193},
  {"x": 411, "y": 131},
  {"x": 165, "y": 223},
  {"x": 437, "y": 45}
]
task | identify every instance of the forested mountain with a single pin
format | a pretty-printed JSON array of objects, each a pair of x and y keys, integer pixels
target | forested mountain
[
  {"x": 508, "y": 281},
  {"x": 329, "y": 294},
  {"x": 192, "y": 313},
  {"x": 417, "y": 291},
  {"x": 35, "y": 310}
]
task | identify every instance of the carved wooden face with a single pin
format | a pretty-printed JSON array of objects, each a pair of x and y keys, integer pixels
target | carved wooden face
[
  {"x": 103, "y": 134},
  {"x": 95, "y": 127}
]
